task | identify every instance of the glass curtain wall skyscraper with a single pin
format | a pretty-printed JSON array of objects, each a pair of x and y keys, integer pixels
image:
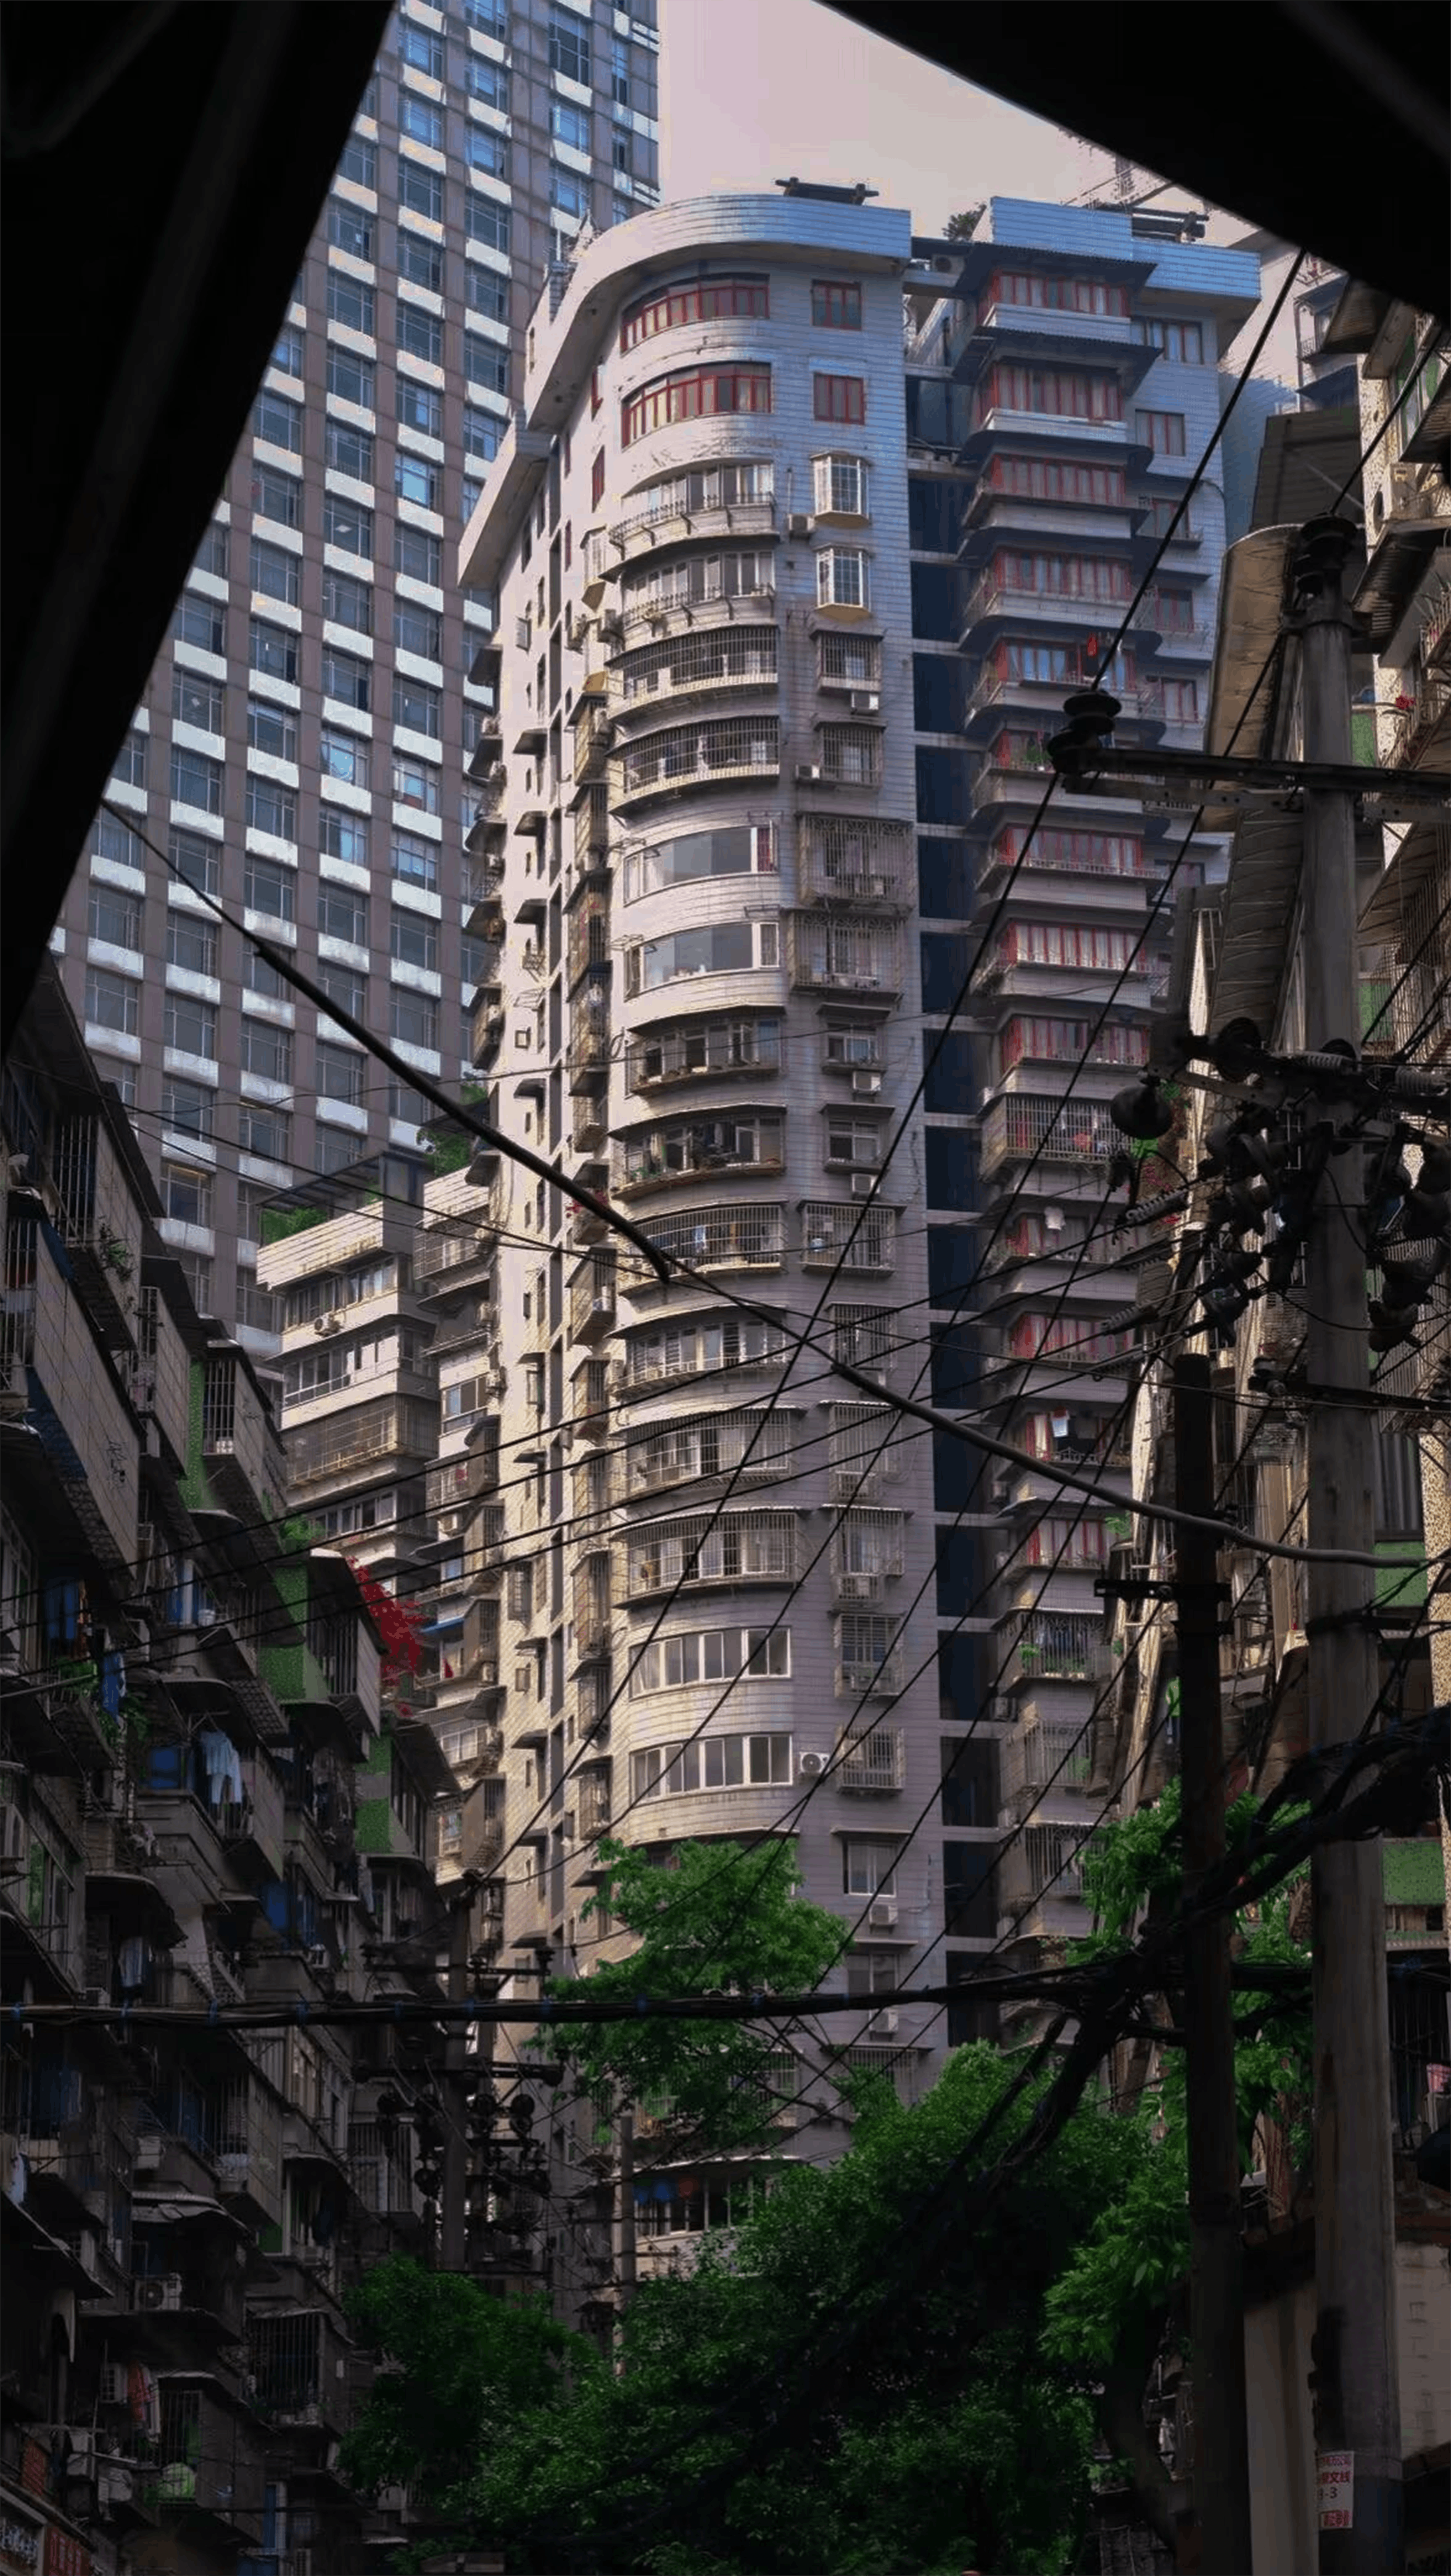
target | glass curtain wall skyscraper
[{"x": 299, "y": 751}]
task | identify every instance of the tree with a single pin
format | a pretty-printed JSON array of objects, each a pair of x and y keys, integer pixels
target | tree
[
  {"x": 961, "y": 227},
  {"x": 720, "y": 1920}
]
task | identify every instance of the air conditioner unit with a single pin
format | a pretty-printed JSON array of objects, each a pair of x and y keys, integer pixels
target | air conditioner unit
[
  {"x": 811, "y": 1765},
  {"x": 317, "y": 1955},
  {"x": 113, "y": 2386},
  {"x": 328, "y": 1324},
  {"x": 612, "y": 630},
  {"x": 862, "y": 1184},
  {"x": 806, "y": 772},
  {"x": 866, "y": 1085},
  {"x": 857, "y": 1587},
  {"x": 884, "y": 2024},
  {"x": 162, "y": 2292},
  {"x": 14, "y": 1840},
  {"x": 865, "y": 702},
  {"x": 1402, "y": 491},
  {"x": 798, "y": 524},
  {"x": 883, "y": 1914}
]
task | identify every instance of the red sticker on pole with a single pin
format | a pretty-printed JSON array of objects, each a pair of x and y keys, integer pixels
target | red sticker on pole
[{"x": 1335, "y": 2483}]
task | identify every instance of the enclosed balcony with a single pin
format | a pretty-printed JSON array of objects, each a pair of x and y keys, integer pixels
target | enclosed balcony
[
  {"x": 240, "y": 1445},
  {"x": 1055, "y": 1645},
  {"x": 99, "y": 1221},
  {"x": 593, "y": 740},
  {"x": 740, "y": 1443},
  {"x": 746, "y": 1237},
  {"x": 1044, "y": 1758},
  {"x": 843, "y": 953},
  {"x": 857, "y": 1238},
  {"x": 591, "y": 1608},
  {"x": 871, "y": 1762},
  {"x": 588, "y": 947},
  {"x": 592, "y": 1299},
  {"x": 866, "y": 1546},
  {"x": 728, "y": 1548},
  {"x": 724, "y": 499},
  {"x": 704, "y": 1050},
  {"x": 700, "y": 755},
  {"x": 869, "y": 1661},
  {"x": 854, "y": 859},
  {"x": 680, "y": 1149},
  {"x": 694, "y": 664},
  {"x": 385, "y": 1430},
  {"x": 1060, "y": 1130},
  {"x": 455, "y": 1252},
  {"x": 864, "y": 1459}
]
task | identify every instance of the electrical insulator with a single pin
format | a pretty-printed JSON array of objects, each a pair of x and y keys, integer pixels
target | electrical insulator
[{"x": 1141, "y": 1110}]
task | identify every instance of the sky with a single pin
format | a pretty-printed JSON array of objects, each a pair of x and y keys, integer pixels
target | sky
[{"x": 753, "y": 91}]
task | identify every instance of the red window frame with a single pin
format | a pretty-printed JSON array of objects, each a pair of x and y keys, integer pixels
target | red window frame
[
  {"x": 1054, "y": 393},
  {"x": 839, "y": 398},
  {"x": 597, "y": 480},
  {"x": 836, "y": 303},
  {"x": 705, "y": 299},
  {"x": 1059, "y": 295},
  {"x": 1162, "y": 432},
  {"x": 694, "y": 393},
  {"x": 595, "y": 395}
]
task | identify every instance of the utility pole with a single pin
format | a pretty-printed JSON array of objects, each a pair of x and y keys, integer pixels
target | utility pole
[
  {"x": 1355, "y": 2380},
  {"x": 1216, "y": 2262},
  {"x": 626, "y": 2261},
  {"x": 453, "y": 2213}
]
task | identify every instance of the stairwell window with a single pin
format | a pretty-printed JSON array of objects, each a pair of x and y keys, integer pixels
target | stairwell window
[
  {"x": 839, "y": 485},
  {"x": 839, "y": 398},
  {"x": 843, "y": 577}
]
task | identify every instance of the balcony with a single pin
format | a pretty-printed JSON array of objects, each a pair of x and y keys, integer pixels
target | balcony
[
  {"x": 656, "y": 1158},
  {"x": 249, "y": 2148},
  {"x": 729, "y": 1548},
  {"x": 870, "y": 1677},
  {"x": 680, "y": 666},
  {"x": 99, "y": 1222},
  {"x": 862, "y": 1239},
  {"x": 866, "y": 1548},
  {"x": 252, "y": 1826},
  {"x": 703, "y": 1051},
  {"x": 364, "y": 1436},
  {"x": 863, "y": 1459},
  {"x": 591, "y": 1607},
  {"x": 591, "y": 832},
  {"x": 1044, "y": 1866},
  {"x": 1423, "y": 724},
  {"x": 592, "y": 1815},
  {"x": 299, "y": 2368},
  {"x": 1056, "y": 1646},
  {"x": 590, "y": 1390},
  {"x": 454, "y": 1482},
  {"x": 749, "y": 1237},
  {"x": 593, "y": 740},
  {"x": 1066, "y": 1130},
  {"x": 1045, "y": 1759},
  {"x": 838, "y": 953},
  {"x": 592, "y": 1301},
  {"x": 873, "y": 1763},
  {"x": 674, "y": 519},
  {"x": 853, "y": 859},
  {"x": 702, "y": 755},
  {"x": 589, "y": 938},
  {"x": 455, "y": 1253},
  {"x": 591, "y": 1042}
]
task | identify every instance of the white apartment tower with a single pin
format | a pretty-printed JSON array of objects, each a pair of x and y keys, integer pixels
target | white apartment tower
[{"x": 698, "y": 819}]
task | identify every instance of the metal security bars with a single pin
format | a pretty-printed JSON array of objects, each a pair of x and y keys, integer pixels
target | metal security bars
[
  {"x": 859, "y": 1462},
  {"x": 858, "y": 1238},
  {"x": 736, "y": 747},
  {"x": 853, "y": 858},
  {"x": 711, "y": 1444},
  {"x": 739, "y": 1547},
  {"x": 842, "y": 952},
  {"x": 721, "y": 657},
  {"x": 751, "y": 1237}
]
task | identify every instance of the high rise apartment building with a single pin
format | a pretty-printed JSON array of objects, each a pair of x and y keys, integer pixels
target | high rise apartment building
[{"x": 298, "y": 750}]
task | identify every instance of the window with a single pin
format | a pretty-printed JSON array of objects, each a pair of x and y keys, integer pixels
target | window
[
  {"x": 414, "y": 479},
  {"x": 190, "y": 1026},
  {"x": 487, "y": 151},
  {"x": 596, "y": 397},
  {"x": 275, "y": 572},
  {"x": 420, "y": 333},
  {"x": 712, "y": 1762},
  {"x": 418, "y": 554},
  {"x": 420, "y": 261},
  {"x": 421, "y": 49},
  {"x": 569, "y": 45},
  {"x": 836, "y": 304},
  {"x": 471, "y": 492},
  {"x": 351, "y": 378},
  {"x": 287, "y": 355},
  {"x": 707, "y": 299},
  {"x": 1058, "y": 392},
  {"x": 1180, "y": 701},
  {"x": 264, "y": 1131},
  {"x": 414, "y": 939},
  {"x": 129, "y": 766},
  {"x": 413, "y": 1019},
  {"x": 415, "y": 860},
  {"x": 339, "y": 1073},
  {"x": 342, "y": 914},
  {"x": 417, "y": 706},
  {"x": 1163, "y": 431},
  {"x": 359, "y": 162},
  {"x": 622, "y": 151},
  {"x": 349, "y": 229},
  {"x": 486, "y": 221},
  {"x": 272, "y": 649},
  {"x": 839, "y": 483},
  {"x": 421, "y": 121},
  {"x": 196, "y": 700},
  {"x": 346, "y": 678},
  {"x": 199, "y": 621},
  {"x": 212, "y": 555},
  {"x": 568, "y": 191},
  {"x": 420, "y": 407},
  {"x": 343, "y": 835},
  {"x": 710, "y": 1655},
  {"x": 351, "y": 303},
  {"x": 269, "y": 888},
  {"x": 271, "y": 808},
  {"x": 186, "y": 1195},
  {"x": 569, "y": 124},
  {"x": 420, "y": 190},
  {"x": 263, "y": 977},
  {"x": 1183, "y": 341},
  {"x": 347, "y": 602},
  {"x": 488, "y": 293},
  {"x": 343, "y": 755},
  {"x": 346, "y": 988},
  {"x": 482, "y": 432},
  {"x": 869, "y": 1869},
  {"x": 348, "y": 525},
  {"x": 112, "y": 1002},
  {"x": 195, "y": 780},
  {"x": 716, "y": 948},
  {"x": 276, "y": 496},
  {"x": 843, "y": 577},
  {"x": 839, "y": 397},
  {"x": 278, "y": 421},
  {"x": 266, "y": 1051},
  {"x": 114, "y": 917},
  {"x": 488, "y": 81},
  {"x": 191, "y": 944},
  {"x": 271, "y": 729},
  {"x": 416, "y": 783},
  {"x": 733, "y": 849},
  {"x": 348, "y": 451},
  {"x": 188, "y": 1108},
  {"x": 1056, "y": 294},
  {"x": 1053, "y": 478},
  {"x": 485, "y": 363},
  {"x": 198, "y": 862},
  {"x": 694, "y": 395}
]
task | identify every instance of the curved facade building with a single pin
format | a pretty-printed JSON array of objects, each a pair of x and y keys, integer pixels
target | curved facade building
[{"x": 698, "y": 811}]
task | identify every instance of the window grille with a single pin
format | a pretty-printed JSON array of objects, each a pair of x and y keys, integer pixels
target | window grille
[
  {"x": 859, "y": 1238},
  {"x": 753, "y": 1443},
  {"x": 723, "y": 1238},
  {"x": 866, "y": 1553},
  {"x": 697, "y": 661},
  {"x": 703, "y": 1047},
  {"x": 661, "y": 1154},
  {"x": 850, "y": 661},
  {"x": 667, "y": 1352},
  {"x": 872, "y": 1761},
  {"x": 739, "y": 1547},
  {"x": 866, "y": 1336},
  {"x": 851, "y": 753},
  {"x": 1058, "y": 1644},
  {"x": 653, "y": 590},
  {"x": 866, "y": 1656},
  {"x": 738, "y": 745},
  {"x": 862, "y": 1456},
  {"x": 1070, "y": 1131},
  {"x": 834, "y": 952},
  {"x": 710, "y": 487}
]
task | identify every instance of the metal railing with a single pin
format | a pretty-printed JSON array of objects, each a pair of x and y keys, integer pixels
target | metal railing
[
  {"x": 847, "y": 858},
  {"x": 1070, "y": 1131},
  {"x": 695, "y": 755},
  {"x": 872, "y": 1764}
]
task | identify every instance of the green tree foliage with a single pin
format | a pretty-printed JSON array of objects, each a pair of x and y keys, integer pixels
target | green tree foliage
[
  {"x": 720, "y": 1921},
  {"x": 457, "y": 2363},
  {"x": 961, "y": 227}
]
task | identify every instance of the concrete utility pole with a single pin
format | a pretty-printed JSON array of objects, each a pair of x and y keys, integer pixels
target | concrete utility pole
[
  {"x": 1355, "y": 2383},
  {"x": 453, "y": 2214},
  {"x": 1216, "y": 2262}
]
